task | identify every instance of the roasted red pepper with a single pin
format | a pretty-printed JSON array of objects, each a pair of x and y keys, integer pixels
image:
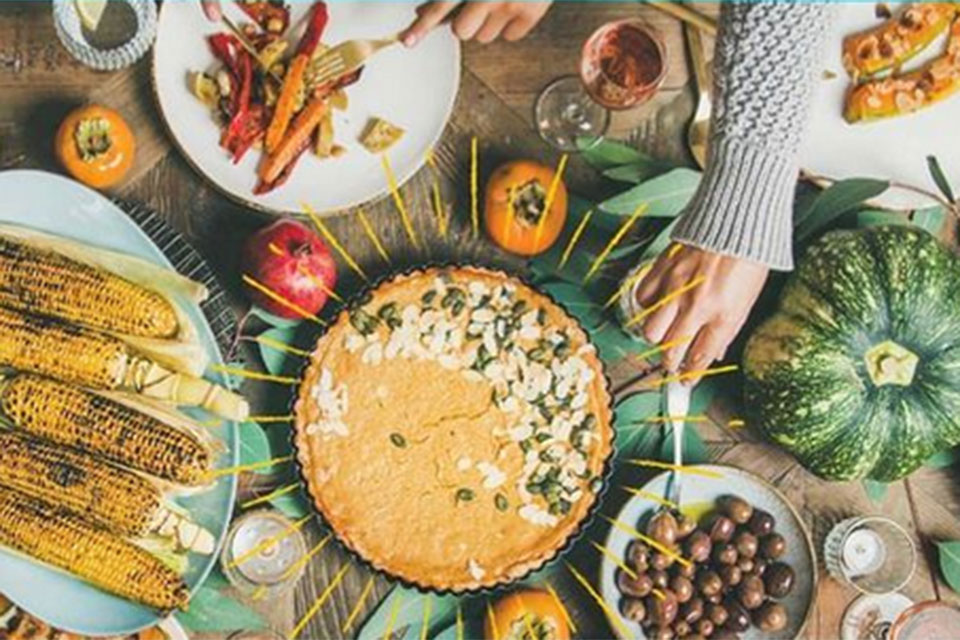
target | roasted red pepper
[
  {"x": 272, "y": 17},
  {"x": 253, "y": 127},
  {"x": 318, "y": 22},
  {"x": 225, "y": 47},
  {"x": 241, "y": 101}
]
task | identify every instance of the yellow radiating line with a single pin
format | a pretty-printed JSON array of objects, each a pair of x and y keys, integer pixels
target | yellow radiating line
[
  {"x": 426, "y": 616},
  {"x": 318, "y": 223},
  {"x": 643, "y": 313},
  {"x": 253, "y": 375},
  {"x": 267, "y": 341},
  {"x": 665, "y": 419},
  {"x": 317, "y": 282},
  {"x": 357, "y": 607},
  {"x": 262, "y": 589},
  {"x": 212, "y": 422},
  {"x": 659, "y": 464},
  {"x": 548, "y": 201},
  {"x": 269, "y": 542},
  {"x": 650, "y": 541},
  {"x": 493, "y": 621},
  {"x": 319, "y": 603},
  {"x": 459, "y": 622},
  {"x": 560, "y": 605},
  {"x": 611, "y": 615},
  {"x": 368, "y": 228},
  {"x": 398, "y": 200},
  {"x": 269, "y": 419},
  {"x": 663, "y": 346},
  {"x": 527, "y": 623},
  {"x": 659, "y": 594},
  {"x": 279, "y": 299},
  {"x": 691, "y": 375},
  {"x": 617, "y": 561},
  {"x": 651, "y": 496},
  {"x": 282, "y": 491},
  {"x": 253, "y": 466},
  {"x": 574, "y": 238},
  {"x": 626, "y": 284},
  {"x": 735, "y": 422},
  {"x": 674, "y": 250},
  {"x": 392, "y": 620},
  {"x": 437, "y": 198},
  {"x": 617, "y": 237},
  {"x": 474, "y": 182}
]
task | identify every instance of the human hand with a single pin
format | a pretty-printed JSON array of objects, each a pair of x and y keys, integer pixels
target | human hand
[
  {"x": 211, "y": 8},
  {"x": 704, "y": 318},
  {"x": 485, "y": 21}
]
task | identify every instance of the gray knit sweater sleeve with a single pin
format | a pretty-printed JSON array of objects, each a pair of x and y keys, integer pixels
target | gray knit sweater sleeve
[{"x": 765, "y": 67}]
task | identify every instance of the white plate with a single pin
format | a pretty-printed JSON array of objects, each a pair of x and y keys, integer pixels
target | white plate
[
  {"x": 57, "y": 205},
  {"x": 699, "y": 490},
  {"x": 413, "y": 88},
  {"x": 892, "y": 149}
]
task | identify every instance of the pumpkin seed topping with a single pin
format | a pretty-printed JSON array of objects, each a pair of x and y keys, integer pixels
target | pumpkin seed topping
[
  {"x": 464, "y": 495},
  {"x": 500, "y": 502},
  {"x": 398, "y": 440}
]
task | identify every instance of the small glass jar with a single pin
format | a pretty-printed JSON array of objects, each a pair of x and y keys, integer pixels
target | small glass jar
[{"x": 873, "y": 554}]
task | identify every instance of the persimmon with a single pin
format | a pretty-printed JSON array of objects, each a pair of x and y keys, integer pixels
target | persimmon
[
  {"x": 515, "y": 205},
  {"x": 95, "y": 145},
  {"x": 543, "y": 614}
]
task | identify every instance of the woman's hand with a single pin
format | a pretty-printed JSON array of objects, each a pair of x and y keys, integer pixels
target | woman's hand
[
  {"x": 211, "y": 8},
  {"x": 485, "y": 21},
  {"x": 706, "y": 317}
]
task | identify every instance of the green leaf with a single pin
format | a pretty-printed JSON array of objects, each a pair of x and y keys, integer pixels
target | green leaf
[
  {"x": 637, "y": 438},
  {"x": 876, "y": 491},
  {"x": 660, "y": 243},
  {"x": 694, "y": 449},
  {"x": 930, "y": 219},
  {"x": 879, "y": 217},
  {"x": 665, "y": 196},
  {"x": 293, "y": 505},
  {"x": 212, "y": 611},
  {"x": 408, "y": 621},
  {"x": 254, "y": 445},
  {"x": 936, "y": 172},
  {"x": 949, "y": 553},
  {"x": 575, "y": 300},
  {"x": 837, "y": 199},
  {"x": 636, "y": 173},
  {"x": 613, "y": 343},
  {"x": 943, "y": 459},
  {"x": 277, "y": 361},
  {"x": 273, "y": 320},
  {"x": 604, "y": 153}
]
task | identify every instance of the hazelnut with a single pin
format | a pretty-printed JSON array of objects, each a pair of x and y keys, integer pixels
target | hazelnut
[
  {"x": 709, "y": 583},
  {"x": 721, "y": 530},
  {"x": 697, "y": 546},
  {"x": 660, "y": 578},
  {"x": 772, "y": 616},
  {"x": 750, "y": 592},
  {"x": 746, "y": 543},
  {"x": 638, "y": 555},
  {"x": 725, "y": 554},
  {"x": 682, "y": 588},
  {"x": 705, "y": 627},
  {"x": 731, "y": 575},
  {"x": 717, "y": 614},
  {"x": 681, "y": 628},
  {"x": 745, "y": 564},
  {"x": 739, "y": 620},
  {"x": 662, "y": 610},
  {"x": 661, "y": 561},
  {"x": 761, "y": 523},
  {"x": 637, "y": 587},
  {"x": 633, "y": 609},
  {"x": 692, "y": 610},
  {"x": 685, "y": 526},
  {"x": 663, "y": 528},
  {"x": 778, "y": 579},
  {"x": 773, "y": 546},
  {"x": 736, "y": 508}
]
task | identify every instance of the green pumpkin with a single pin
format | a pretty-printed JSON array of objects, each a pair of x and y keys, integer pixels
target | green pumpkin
[{"x": 858, "y": 372}]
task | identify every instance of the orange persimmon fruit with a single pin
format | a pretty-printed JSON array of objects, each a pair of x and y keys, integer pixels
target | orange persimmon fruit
[
  {"x": 541, "y": 610},
  {"x": 515, "y": 206},
  {"x": 95, "y": 145}
]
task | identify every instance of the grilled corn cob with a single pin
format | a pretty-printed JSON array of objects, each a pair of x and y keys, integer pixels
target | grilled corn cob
[
  {"x": 83, "y": 420},
  {"x": 108, "y": 496},
  {"x": 98, "y": 360},
  {"x": 61, "y": 539},
  {"x": 48, "y": 283}
]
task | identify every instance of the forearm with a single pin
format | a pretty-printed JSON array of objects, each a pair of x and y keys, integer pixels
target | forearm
[{"x": 765, "y": 68}]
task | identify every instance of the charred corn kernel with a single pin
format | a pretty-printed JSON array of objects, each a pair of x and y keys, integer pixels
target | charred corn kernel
[
  {"x": 48, "y": 283},
  {"x": 61, "y": 539},
  {"x": 83, "y": 420},
  {"x": 62, "y": 351},
  {"x": 100, "y": 492}
]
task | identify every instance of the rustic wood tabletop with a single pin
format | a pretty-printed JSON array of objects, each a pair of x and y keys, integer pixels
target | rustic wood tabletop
[{"x": 40, "y": 82}]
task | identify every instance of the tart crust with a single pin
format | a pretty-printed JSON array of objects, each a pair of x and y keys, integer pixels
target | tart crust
[{"x": 418, "y": 471}]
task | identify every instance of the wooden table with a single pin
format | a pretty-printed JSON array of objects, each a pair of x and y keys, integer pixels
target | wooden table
[{"x": 39, "y": 83}]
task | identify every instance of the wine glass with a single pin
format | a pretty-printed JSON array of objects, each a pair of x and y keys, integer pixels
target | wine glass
[{"x": 622, "y": 65}]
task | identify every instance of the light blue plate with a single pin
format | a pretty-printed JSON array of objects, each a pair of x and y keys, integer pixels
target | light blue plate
[{"x": 60, "y": 206}]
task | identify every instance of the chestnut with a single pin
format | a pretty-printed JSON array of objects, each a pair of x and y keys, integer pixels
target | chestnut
[
  {"x": 778, "y": 579},
  {"x": 662, "y": 610},
  {"x": 705, "y": 627},
  {"x": 746, "y": 543},
  {"x": 638, "y": 555},
  {"x": 761, "y": 523},
  {"x": 637, "y": 587},
  {"x": 681, "y": 628},
  {"x": 692, "y": 610},
  {"x": 773, "y": 546},
  {"x": 725, "y": 553},
  {"x": 686, "y": 569},
  {"x": 682, "y": 588},
  {"x": 731, "y": 575},
  {"x": 772, "y": 616},
  {"x": 663, "y": 528},
  {"x": 717, "y": 614},
  {"x": 750, "y": 593},
  {"x": 660, "y": 578},
  {"x": 697, "y": 546},
  {"x": 709, "y": 583},
  {"x": 633, "y": 609},
  {"x": 759, "y": 566},
  {"x": 736, "y": 508},
  {"x": 661, "y": 561},
  {"x": 745, "y": 564},
  {"x": 721, "y": 529},
  {"x": 739, "y": 618}
]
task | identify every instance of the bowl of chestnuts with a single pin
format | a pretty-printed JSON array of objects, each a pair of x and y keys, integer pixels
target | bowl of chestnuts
[{"x": 733, "y": 561}]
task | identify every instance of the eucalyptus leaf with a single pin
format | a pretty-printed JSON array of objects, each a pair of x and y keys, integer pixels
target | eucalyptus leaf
[
  {"x": 274, "y": 320},
  {"x": 660, "y": 243},
  {"x": 876, "y": 491},
  {"x": 575, "y": 300},
  {"x": 212, "y": 611},
  {"x": 936, "y": 172},
  {"x": 879, "y": 217},
  {"x": 694, "y": 449},
  {"x": 943, "y": 459},
  {"x": 293, "y": 505},
  {"x": 636, "y": 436},
  {"x": 637, "y": 172},
  {"x": 949, "y": 554},
  {"x": 409, "y": 614},
  {"x": 613, "y": 343},
  {"x": 605, "y": 153},
  {"x": 665, "y": 196},
  {"x": 254, "y": 445},
  {"x": 836, "y": 200},
  {"x": 277, "y": 361}
]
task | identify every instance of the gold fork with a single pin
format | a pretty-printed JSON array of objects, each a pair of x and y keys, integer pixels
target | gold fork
[
  {"x": 698, "y": 134},
  {"x": 345, "y": 58}
]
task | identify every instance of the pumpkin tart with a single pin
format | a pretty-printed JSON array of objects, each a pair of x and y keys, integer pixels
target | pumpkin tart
[{"x": 453, "y": 428}]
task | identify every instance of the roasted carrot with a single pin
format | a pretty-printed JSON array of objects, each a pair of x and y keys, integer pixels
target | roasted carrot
[
  {"x": 292, "y": 143},
  {"x": 286, "y": 103}
]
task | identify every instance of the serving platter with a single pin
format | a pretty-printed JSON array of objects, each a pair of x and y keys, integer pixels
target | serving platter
[
  {"x": 700, "y": 491},
  {"x": 60, "y": 206},
  {"x": 895, "y": 148},
  {"x": 412, "y": 88}
]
